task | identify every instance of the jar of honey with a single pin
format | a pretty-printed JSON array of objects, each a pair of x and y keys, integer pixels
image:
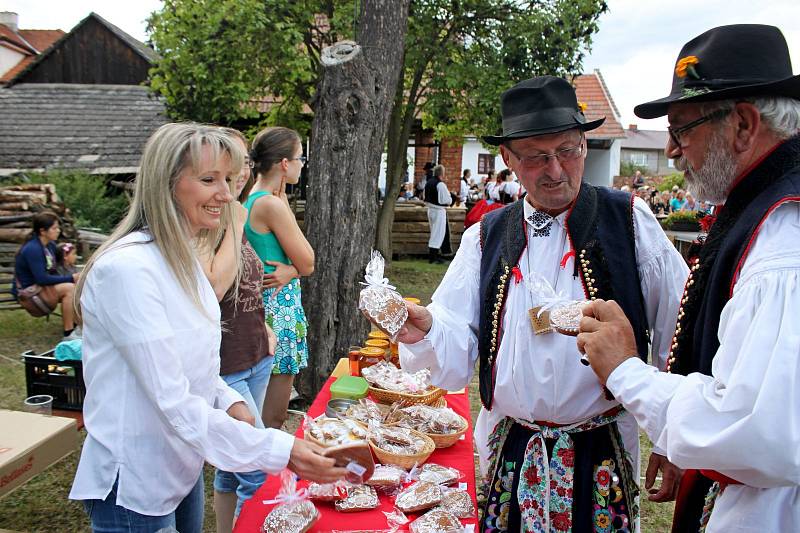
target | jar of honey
[
  {"x": 371, "y": 355},
  {"x": 378, "y": 335},
  {"x": 379, "y": 343},
  {"x": 354, "y": 359}
]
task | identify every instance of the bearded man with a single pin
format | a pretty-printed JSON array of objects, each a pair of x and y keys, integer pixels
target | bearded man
[
  {"x": 730, "y": 407},
  {"x": 557, "y": 454}
]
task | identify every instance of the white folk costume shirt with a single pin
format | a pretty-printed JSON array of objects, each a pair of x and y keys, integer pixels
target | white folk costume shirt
[
  {"x": 744, "y": 420},
  {"x": 437, "y": 216},
  {"x": 540, "y": 377},
  {"x": 155, "y": 404}
]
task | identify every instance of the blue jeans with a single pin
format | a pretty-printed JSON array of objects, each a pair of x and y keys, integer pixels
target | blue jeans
[
  {"x": 108, "y": 517},
  {"x": 252, "y": 385}
]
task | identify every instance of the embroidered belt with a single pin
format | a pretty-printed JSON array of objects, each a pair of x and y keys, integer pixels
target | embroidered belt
[{"x": 540, "y": 476}]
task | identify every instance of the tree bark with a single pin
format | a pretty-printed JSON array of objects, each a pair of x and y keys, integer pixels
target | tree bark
[{"x": 354, "y": 101}]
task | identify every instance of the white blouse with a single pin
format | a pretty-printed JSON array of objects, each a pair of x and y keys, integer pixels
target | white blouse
[
  {"x": 744, "y": 420},
  {"x": 540, "y": 377},
  {"x": 155, "y": 404}
]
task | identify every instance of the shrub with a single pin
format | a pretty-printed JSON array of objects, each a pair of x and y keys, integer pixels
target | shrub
[
  {"x": 670, "y": 181},
  {"x": 628, "y": 169},
  {"x": 85, "y": 195}
]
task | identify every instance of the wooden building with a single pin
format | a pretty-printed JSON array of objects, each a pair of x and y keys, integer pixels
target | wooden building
[{"x": 93, "y": 52}]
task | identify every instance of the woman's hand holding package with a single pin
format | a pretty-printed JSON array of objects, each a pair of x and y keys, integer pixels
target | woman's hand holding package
[{"x": 306, "y": 460}]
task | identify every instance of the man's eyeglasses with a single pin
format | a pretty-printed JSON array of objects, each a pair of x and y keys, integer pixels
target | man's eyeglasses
[
  {"x": 676, "y": 133},
  {"x": 541, "y": 160}
]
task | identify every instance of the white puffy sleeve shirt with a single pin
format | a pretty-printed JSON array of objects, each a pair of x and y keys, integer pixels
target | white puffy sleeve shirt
[
  {"x": 155, "y": 404},
  {"x": 744, "y": 420},
  {"x": 540, "y": 377}
]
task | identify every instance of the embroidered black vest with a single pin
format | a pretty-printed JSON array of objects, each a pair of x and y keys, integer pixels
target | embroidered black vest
[
  {"x": 600, "y": 229},
  {"x": 431, "y": 193},
  {"x": 772, "y": 182}
]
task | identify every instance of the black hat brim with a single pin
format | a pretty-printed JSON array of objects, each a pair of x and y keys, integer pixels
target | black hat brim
[
  {"x": 789, "y": 87},
  {"x": 497, "y": 140}
]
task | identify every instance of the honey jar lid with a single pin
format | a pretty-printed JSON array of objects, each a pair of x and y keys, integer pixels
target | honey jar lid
[
  {"x": 413, "y": 300},
  {"x": 372, "y": 351},
  {"x": 377, "y": 343},
  {"x": 378, "y": 335}
]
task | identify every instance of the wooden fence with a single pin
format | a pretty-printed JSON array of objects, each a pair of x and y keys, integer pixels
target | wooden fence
[{"x": 410, "y": 231}]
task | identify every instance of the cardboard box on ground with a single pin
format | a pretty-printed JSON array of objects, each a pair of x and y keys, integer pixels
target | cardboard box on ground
[{"x": 30, "y": 443}]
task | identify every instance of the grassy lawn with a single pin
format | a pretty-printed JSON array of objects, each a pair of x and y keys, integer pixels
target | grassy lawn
[{"x": 42, "y": 504}]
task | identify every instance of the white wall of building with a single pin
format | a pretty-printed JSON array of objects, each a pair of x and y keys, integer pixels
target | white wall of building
[
  {"x": 410, "y": 175},
  {"x": 9, "y": 59},
  {"x": 602, "y": 165},
  {"x": 469, "y": 157}
]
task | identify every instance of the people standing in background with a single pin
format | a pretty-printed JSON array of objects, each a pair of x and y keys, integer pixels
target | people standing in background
[
  {"x": 493, "y": 187},
  {"x": 463, "y": 190},
  {"x": 437, "y": 199},
  {"x": 691, "y": 203},
  {"x": 638, "y": 180},
  {"x": 679, "y": 202},
  {"x": 272, "y": 230},
  {"x": 509, "y": 189},
  {"x": 248, "y": 344}
]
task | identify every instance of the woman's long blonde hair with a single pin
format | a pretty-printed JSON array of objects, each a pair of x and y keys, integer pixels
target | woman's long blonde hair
[{"x": 171, "y": 149}]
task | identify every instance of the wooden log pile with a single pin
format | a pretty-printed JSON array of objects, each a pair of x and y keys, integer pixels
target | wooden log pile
[
  {"x": 18, "y": 204},
  {"x": 410, "y": 230}
]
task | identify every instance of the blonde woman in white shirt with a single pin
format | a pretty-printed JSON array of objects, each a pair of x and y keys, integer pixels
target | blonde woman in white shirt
[{"x": 156, "y": 408}]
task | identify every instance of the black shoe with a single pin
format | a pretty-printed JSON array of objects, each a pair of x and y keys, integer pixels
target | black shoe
[{"x": 432, "y": 255}]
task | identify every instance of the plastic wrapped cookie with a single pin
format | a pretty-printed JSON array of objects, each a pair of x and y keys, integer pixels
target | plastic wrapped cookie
[
  {"x": 360, "y": 498},
  {"x": 379, "y": 301},
  {"x": 566, "y": 317},
  {"x": 294, "y": 513},
  {"x": 441, "y": 475},
  {"x": 436, "y": 521},
  {"x": 386, "y": 477},
  {"x": 418, "y": 497},
  {"x": 457, "y": 502}
]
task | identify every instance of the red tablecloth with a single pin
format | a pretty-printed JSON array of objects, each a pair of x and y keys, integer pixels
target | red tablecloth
[{"x": 459, "y": 456}]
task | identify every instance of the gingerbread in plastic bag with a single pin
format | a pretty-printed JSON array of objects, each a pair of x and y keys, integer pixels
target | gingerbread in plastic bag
[{"x": 379, "y": 301}]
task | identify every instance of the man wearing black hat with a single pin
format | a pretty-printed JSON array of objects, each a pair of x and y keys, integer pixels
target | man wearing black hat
[
  {"x": 730, "y": 406},
  {"x": 559, "y": 455}
]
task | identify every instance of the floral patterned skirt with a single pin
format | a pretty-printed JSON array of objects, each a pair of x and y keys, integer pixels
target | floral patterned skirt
[
  {"x": 598, "y": 494},
  {"x": 284, "y": 314}
]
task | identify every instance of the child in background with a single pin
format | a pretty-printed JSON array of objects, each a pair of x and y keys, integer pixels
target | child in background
[{"x": 66, "y": 259}]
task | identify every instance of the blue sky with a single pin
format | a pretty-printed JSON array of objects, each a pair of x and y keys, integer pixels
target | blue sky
[{"x": 635, "y": 49}]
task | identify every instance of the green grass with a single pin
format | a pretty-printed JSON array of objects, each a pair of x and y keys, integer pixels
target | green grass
[{"x": 41, "y": 505}]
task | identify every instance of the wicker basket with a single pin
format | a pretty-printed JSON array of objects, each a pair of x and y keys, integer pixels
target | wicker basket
[
  {"x": 404, "y": 461},
  {"x": 448, "y": 439},
  {"x": 388, "y": 396},
  {"x": 307, "y": 436}
]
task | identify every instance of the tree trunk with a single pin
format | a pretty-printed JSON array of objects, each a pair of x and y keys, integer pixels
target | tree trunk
[{"x": 348, "y": 133}]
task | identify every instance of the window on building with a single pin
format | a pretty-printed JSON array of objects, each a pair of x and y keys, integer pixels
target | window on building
[
  {"x": 638, "y": 158},
  {"x": 485, "y": 163},
  {"x": 670, "y": 162}
]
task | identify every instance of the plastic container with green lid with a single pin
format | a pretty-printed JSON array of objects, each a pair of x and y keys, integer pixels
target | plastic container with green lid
[{"x": 351, "y": 387}]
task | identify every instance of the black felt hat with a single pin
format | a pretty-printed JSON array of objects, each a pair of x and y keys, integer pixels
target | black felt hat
[
  {"x": 741, "y": 60},
  {"x": 538, "y": 106}
]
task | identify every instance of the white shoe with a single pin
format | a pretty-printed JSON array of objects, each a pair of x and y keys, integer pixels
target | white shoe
[
  {"x": 71, "y": 337},
  {"x": 78, "y": 331}
]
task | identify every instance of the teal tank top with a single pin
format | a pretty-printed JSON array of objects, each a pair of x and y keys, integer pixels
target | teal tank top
[{"x": 266, "y": 245}]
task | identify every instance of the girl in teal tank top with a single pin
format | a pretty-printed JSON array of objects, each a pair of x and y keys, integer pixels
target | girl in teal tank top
[
  {"x": 272, "y": 230},
  {"x": 266, "y": 245}
]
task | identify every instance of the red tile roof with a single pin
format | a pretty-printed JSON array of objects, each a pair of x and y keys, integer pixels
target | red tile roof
[
  {"x": 29, "y": 42},
  {"x": 11, "y": 37},
  {"x": 591, "y": 90},
  {"x": 41, "y": 39}
]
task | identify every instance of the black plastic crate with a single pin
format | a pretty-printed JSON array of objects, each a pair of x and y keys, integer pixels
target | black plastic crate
[{"x": 63, "y": 380}]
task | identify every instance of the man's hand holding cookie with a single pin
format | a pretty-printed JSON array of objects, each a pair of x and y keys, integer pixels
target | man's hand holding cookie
[{"x": 606, "y": 337}]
